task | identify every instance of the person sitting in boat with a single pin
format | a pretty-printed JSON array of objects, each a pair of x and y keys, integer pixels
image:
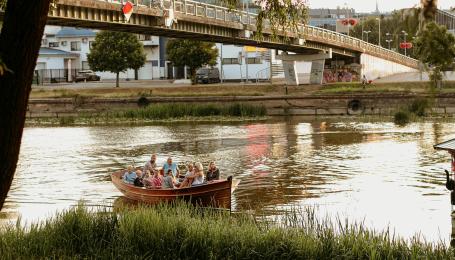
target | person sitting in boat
[
  {"x": 150, "y": 166},
  {"x": 154, "y": 180},
  {"x": 169, "y": 165},
  {"x": 213, "y": 173},
  {"x": 139, "y": 182},
  {"x": 129, "y": 175},
  {"x": 188, "y": 177},
  {"x": 169, "y": 180},
  {"x": 196, "y": 177}
]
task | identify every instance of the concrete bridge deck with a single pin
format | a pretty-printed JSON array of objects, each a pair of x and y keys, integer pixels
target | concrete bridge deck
[{"x": 213, "y": 23}]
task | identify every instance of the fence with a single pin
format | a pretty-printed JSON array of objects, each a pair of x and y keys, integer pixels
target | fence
[{"x": 46, "y": 76}]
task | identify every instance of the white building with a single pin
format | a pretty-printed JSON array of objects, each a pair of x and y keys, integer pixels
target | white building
[
  {"x": 243, "y": 63},
  {"x": 66, "y": 49}
]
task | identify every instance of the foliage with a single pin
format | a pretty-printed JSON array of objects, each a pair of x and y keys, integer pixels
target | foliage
[
  {"x": 403, "y": 20},
  {"x": 191, "y": 53},
  {"x": 116, "y": 52},
  {"x": 418, "y": 106},
  {"x": 180, "y": 110},
  {"x": 402, "y": 117},
  {"x": 184, "y": 232},
  {"x": 284, "y": 15},
  {"x": 436, "y": 48}
]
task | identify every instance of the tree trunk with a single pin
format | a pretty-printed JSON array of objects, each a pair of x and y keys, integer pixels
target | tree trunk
[
  {"x": 136, "y": 74},
  {"x": 117, "y": 79},
  {"x": 20, "y": 40}
]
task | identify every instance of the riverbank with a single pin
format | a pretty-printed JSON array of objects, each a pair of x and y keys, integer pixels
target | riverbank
[
  {"x": 160, "y": 114},
  {"x": 185, "y": 232}
]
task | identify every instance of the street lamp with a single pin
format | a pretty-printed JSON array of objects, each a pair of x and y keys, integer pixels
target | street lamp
[
  {"x": 379, "y": 41},
  {"x": 388, "y": 40},
  {"x": 347, "y": 15},
  {"x": 366, "y": 32},
  {"x": 404, "y": 36}
]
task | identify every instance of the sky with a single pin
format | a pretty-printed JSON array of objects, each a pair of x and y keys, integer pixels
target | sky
[{"x": 370, "y": 5}]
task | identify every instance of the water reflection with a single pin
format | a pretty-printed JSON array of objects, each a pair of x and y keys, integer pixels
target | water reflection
[{"x": 372, "y": 171}]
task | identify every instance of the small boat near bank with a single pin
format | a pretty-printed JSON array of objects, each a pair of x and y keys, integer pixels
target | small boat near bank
[{"x": 212, "y": 194}]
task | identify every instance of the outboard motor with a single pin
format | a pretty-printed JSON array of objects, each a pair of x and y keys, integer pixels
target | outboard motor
[{"x": 450, "y": 183}]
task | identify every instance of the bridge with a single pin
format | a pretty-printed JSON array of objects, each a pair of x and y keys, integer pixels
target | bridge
[{"x": 195, "y": 20}]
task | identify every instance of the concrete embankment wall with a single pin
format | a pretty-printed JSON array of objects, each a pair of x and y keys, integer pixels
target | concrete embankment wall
[{"x": 371, "y": 104}]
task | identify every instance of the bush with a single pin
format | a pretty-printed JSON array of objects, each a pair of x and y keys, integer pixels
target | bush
[
  {"x": 418, "y": 106},
  {"x": 401, "y": 117}
]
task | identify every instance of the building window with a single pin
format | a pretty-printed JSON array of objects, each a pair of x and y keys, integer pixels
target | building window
[
  {"x": 230, "y": 61},
  {"x": 154, "y": 63},
  {"x": 254, "y": 60},
  {"x": 75, "y": 46},
  {"x": 53, "y": 44},
  {"x": 64, "y": 43}
]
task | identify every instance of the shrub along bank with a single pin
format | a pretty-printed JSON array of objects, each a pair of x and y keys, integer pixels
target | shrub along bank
[{"x": 185, "y": 232}]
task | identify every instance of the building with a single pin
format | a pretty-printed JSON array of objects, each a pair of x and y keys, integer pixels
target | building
[
  {"x": 64, "y": 52},
  {"x": 327, "y": 18}
]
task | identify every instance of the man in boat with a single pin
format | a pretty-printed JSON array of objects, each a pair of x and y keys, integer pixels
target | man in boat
[
  {"x": 169, "y": 165},
  {"x": 150, "y": 166},
  {"x": 130, "y": 176}
]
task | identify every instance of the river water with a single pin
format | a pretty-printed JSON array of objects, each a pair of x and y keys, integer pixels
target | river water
[{"x": 375, "y": 172}]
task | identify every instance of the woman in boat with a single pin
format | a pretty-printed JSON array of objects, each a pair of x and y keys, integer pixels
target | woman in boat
[
  {"x": 213, "y": 173},
  {"x": 169, "y": 180},
  {"x": 189, "y": 177},
  {"x": 154, "y": 181},
  {"x": 198, "y": 178},
  {"x": 129, "y": 175}
]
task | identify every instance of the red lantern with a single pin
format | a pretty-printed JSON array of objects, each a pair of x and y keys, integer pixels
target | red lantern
[
  {"x": 352, "y": 22},
  {"x": 405, "y": 45},
  {"x": 344, "y": 22}
]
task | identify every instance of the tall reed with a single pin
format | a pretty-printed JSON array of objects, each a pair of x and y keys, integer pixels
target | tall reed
[
  {"x": 179, "y": 110},
  {"x": 184, "y": 232}
]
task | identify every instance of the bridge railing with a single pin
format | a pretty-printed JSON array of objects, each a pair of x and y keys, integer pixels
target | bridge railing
[{"x": 217, "y": 12}]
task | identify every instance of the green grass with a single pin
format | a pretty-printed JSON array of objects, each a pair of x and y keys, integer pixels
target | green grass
[
  {"x": 186, "y": 232},
  {"x": 181, "y": 110},
  {"x": 398, "y": 87}
]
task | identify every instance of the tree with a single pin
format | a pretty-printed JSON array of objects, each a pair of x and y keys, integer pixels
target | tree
[
  {"x": 116, "y": 52},
  {"x": 20, "y": 40},
  {"x": 392, "y": 28},
  {"x": 435, "y": 47},
  {"x": 193, "y": 54}
]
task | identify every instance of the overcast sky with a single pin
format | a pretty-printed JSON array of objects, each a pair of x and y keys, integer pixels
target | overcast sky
[{"x": 370, "y": 5}]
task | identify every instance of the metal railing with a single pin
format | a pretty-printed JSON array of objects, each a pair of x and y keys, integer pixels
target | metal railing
[{"x": 309, "y": 33}]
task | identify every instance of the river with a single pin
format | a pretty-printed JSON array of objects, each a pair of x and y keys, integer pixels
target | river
[{"x": 375, "y": 172}]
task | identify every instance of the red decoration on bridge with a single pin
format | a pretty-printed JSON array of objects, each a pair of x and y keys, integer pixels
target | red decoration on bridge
[
  {"x": 127, "y": 10},
  {"x": 405, "y": 45},
  {"x": 349, "y": 21}
]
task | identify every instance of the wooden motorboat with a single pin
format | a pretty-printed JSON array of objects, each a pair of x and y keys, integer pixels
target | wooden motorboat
[{"x": 211, "y": 194}]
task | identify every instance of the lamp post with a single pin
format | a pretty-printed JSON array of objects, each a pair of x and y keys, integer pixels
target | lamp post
[
  {"x": 347, "y": 16},
  {"x": 366, "y": 32},
  {"x": 404, "y": 36},
  {"x": 379, "y": 40},
  {"x": 388, "y": 40}
]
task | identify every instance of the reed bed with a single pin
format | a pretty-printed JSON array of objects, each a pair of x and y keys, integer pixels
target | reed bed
[
  {"x": 185, "y": 232},
  {"x": 181, "y": 110}
]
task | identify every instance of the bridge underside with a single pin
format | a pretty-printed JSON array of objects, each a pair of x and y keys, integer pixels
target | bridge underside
[{"x": 203, "y": 32}]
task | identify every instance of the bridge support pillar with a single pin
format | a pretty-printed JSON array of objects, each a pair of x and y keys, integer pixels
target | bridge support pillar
[{"x": 302, "y": 69}]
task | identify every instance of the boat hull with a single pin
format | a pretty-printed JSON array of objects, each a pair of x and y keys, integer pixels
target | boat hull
[{"x": 214, "y": 194}]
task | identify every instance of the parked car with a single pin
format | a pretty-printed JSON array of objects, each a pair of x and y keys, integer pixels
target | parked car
[
  {"x": 86, "y": 75},
  {"x": 208, "y": 75}
]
